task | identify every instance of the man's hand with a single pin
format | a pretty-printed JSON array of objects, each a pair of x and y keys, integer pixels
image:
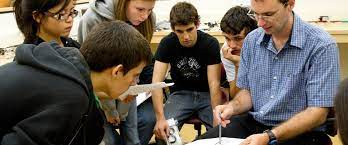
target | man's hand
[
  {"x": 114, "y": 120},
  {"x": 162, "y": 129},
  {"x": 226, "y": 113},
  {"x": 129, "y": 99},
  {"x": 256, "y": 139},
  {"x": 230, "y": 54},
  {"x": 216, "y": 120}
]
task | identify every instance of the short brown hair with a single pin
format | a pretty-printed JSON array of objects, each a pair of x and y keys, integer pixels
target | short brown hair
[
  {"x": 113, "y": 43},
  {"x": 183, "y": 13}
]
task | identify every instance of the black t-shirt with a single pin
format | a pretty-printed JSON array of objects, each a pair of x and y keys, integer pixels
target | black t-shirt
[{"x": 189, "y": 65}]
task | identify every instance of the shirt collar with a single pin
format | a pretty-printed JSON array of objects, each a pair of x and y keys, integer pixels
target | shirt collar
[
  {"x": 40, "y": 40},
  {"x": 297, "y": 36}
]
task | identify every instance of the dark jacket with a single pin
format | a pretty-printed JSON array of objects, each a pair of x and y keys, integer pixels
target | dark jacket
[{"x": 46, "y": 98}]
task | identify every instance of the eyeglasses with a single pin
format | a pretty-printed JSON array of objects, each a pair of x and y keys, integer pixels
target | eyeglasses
[
  {"x": 266, "y": 17},
  {"x": 63, "y": 17}
]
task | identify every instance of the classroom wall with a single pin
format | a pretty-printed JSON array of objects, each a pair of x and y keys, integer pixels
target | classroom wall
[
  {"x": 310, "y": 10},
  {"x": 209, "y": 10},
  {"x": 213, "y": 10}
]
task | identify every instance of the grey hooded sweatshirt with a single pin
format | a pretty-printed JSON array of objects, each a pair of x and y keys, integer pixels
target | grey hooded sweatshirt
[{"x": 97, "y": 12}]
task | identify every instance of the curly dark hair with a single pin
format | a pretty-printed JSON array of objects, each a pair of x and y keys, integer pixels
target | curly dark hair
[{"x": 236, "y": 20}]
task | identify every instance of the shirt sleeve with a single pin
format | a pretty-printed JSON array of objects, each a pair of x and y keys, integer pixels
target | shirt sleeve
[
  {"x": 109, "y": 107},
  {"x": 213, "y": 52},
  {"x": 245, "y": 58},
  {"x": 323, "y": 77},
  {"x": 228, "y": 65},
  {"x": 86, "y": 23},
  {"x": 162, "y": 53}
]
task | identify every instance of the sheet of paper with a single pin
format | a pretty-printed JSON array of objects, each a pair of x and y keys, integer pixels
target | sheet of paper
[
  {"x": 142, "y": 97},
  {"x": 137, "y": 89},
  {"x": 213, "y": 141}
]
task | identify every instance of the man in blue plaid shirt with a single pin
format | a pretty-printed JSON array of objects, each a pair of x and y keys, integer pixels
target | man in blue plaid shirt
[{"x": 288, "y": 74}]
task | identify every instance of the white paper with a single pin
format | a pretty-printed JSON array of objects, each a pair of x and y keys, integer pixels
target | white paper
[
  {"x": 137, "y": 89},
  {"x": 142, "y": 97},
  {"x": 214, "y": 141}
]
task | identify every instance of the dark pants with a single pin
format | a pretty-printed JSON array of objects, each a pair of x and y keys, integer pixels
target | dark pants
[
  {"x": 244, "y": 125},
  {"x": 181, "y": 105},
  {"x": 146, "y": 121}
]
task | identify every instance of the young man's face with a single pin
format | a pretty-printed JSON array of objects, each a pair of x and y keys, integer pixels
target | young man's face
[
  {"x": 235, "y": 42},
  {"x": 187, "y": 34},
  {"x": 271, "y": 15},
  {"x": 121, "y": 82}
]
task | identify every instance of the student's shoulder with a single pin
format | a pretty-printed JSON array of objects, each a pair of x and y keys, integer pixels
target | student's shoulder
[
  {"x": 91, "y": 18},
  {"x": 206, "y": 36},
  {"x": 206, "y": 39},
  {"x": 69, "y": 42},
  {"x": 317, "y": 33},
  {"x": 256, "y": 34}
]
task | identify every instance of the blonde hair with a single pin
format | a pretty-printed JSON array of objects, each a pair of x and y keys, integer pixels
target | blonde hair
[{"x": 146, "y": 28}]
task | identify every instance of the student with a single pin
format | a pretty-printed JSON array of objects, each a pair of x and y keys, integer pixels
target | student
[
  {"x": 50, "y": 88},
  {"x": 288, "y": 74},
  {"x": 195, "y": 67},
  {"x": 137, "y": 13},
  {"x": 46, "y": 20},
  {"x": 341, "y": 109},
  {"x": 235, "y": 26}
]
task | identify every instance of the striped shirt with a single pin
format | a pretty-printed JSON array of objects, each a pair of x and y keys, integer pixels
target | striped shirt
[{"x": 305, "y": 73}]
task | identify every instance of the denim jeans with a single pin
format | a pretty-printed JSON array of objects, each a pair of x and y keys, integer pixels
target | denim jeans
[
  {"x": 146, "y": 121},
  {"x": 128, "y": 130},
  {"x": 111, "y": 137},
  {"x": 181, "y": 105}
]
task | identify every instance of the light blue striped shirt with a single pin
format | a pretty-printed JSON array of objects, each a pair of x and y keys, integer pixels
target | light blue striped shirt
[{"x": 305, "y": 73}]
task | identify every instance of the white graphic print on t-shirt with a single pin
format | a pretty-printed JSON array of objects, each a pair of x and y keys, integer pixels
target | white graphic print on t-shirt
[{"x": 188, "y": 67}]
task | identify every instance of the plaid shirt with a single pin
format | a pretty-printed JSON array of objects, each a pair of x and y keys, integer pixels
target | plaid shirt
[{"x": 305, "y": 73}]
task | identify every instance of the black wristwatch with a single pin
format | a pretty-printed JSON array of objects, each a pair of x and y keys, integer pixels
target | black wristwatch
[{"x": 272, "y": 137}]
